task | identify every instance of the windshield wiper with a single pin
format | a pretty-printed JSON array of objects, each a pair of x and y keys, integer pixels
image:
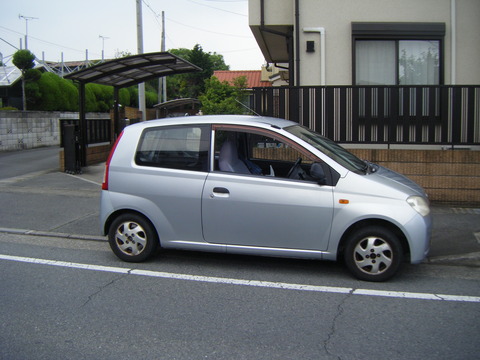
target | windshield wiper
[{"x": 370, "y": 167}]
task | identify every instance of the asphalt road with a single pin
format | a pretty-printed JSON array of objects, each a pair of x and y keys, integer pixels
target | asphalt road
[
  {"x": 17, "y": 163},
  {"x": 72, "y": 299},
  {"x": 67, "y": 298}
]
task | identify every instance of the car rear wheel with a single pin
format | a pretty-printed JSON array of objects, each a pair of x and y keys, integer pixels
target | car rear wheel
[
  {"x": 132, "y": 238},
  {"x": 373, "y": 254}
]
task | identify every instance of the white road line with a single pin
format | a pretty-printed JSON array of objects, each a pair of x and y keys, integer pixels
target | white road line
[
  {"x": 84, "y": 179},
  {"x": 255, "y": 283}
]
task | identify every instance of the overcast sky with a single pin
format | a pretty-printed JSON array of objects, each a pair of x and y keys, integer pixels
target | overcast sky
[{"x": 72, "y": 26}]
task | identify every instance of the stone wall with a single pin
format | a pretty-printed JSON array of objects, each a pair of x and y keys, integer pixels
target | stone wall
[
  {"x": 21, "y": 130},
  {"x": 95, "y": 155},
  {"x": 448, "y": 176}
]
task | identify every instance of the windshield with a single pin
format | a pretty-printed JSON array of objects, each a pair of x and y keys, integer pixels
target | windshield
[{"x": 329, "y": 148}]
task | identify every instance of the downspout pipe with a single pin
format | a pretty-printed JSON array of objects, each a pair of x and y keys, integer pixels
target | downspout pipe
[
  {"x": 321, "y": 31},
  {"x": 297, "y": 42},
  {"x": 453, "y": 25}
]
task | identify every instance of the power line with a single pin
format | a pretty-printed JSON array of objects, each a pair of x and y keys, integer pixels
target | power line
[
  {"x": 44, "y": 41},
  {"x": 208, "y": 31},
  {"x": 216, "y": 8}
]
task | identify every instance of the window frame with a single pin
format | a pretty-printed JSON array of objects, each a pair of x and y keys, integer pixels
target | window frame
[
  {"x": 397, "y": 32},
  {"x": 204, "y": 136}
]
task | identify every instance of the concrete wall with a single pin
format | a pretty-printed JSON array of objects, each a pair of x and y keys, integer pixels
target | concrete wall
[{"x": 21, "y": 130}]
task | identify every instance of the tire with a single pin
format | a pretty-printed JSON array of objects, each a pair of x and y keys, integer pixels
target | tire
[
  {"x": 373, "y": 253},
  {"x": 132, "y": 238}
]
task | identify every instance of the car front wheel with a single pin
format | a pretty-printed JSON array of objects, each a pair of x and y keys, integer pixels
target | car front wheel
[
  {"x": 132, "y": 238},
  {"x": 373, "y": 254}
]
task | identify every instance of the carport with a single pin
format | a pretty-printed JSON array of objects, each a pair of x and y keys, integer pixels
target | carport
[{"x": 124, "y": 72}]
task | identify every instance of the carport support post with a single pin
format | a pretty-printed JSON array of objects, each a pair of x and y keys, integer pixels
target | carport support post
[
  {"x": 82, "y": 126},
  {"x": 116, "y": 112}
]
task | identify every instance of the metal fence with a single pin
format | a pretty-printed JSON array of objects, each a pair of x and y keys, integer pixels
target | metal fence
[
  {"x": 438, "y": 115},
  {"x": 98, "y": 130}
]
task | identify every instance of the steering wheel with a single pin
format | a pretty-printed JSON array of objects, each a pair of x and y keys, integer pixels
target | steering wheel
[{"x": 296, "y": 165}]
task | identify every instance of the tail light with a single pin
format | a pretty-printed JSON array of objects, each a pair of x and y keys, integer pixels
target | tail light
[{"x": 107, "y": 164}]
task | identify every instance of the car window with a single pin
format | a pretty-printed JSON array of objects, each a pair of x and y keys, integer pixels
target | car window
[
  {"x": 329, "y": 148},
  {"x": 175, "y": 147},
  {"x": 262, "y": 147},
  {"x": 263, "y": 153}
]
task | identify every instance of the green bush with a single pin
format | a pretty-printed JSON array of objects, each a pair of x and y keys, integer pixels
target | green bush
[
  {"x": 50, "y": 93},
  {"x": 124, "y": 97},
  {"x": 151, "y": 99}
]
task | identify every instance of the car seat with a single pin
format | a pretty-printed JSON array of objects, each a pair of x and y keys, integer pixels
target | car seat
[{"x": 228, "y": 159}]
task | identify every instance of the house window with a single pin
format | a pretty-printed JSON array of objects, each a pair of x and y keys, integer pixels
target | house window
[{"x": 398, "y": 53}]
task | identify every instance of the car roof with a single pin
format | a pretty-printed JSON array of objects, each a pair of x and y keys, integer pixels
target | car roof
[{"x": 218, "y": 119}]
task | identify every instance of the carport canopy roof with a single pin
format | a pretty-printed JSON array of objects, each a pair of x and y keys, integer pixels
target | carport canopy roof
[{"x": 132, "y": 70}]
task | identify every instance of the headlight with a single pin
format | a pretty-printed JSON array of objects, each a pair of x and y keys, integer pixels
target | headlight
[{"x": 419, "y": 204}]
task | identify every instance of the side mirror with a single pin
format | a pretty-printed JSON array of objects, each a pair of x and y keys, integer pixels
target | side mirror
[{"x": 317, "y": 173}]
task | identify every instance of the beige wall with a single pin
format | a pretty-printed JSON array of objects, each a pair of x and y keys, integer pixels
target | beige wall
[
  {"x": 336, "y": 16},
  {"x": 277, "y": 12}
]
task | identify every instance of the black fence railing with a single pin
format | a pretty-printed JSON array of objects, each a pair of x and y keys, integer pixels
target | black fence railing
[
  {"x": 98, "y": 130},
  {"x": 442, "y": 115}
]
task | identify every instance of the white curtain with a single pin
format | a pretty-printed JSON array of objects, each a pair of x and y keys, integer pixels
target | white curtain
[{"x": 375, "y": 62}]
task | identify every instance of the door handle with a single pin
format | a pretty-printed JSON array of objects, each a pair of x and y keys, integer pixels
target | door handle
[{"x": 220, "y": 192}]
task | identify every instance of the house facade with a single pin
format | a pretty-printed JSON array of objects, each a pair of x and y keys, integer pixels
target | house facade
[{"x": 370, "y": 42}]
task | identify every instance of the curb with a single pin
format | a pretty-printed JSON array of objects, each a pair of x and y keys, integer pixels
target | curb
[
  {"x": 52, "y": 234},
  {"x": 468, "y": 259}
]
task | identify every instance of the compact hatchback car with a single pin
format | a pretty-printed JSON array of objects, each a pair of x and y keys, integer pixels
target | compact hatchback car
[{"x": 258, "y": 186}]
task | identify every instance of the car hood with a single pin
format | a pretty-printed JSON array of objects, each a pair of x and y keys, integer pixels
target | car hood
[{"x": 399, "y": 181}]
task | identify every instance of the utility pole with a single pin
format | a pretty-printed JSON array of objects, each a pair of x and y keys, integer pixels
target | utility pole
[
  {"x": 26, "y": 18},
  {"x": 141, "y": 86},
  {"x": 162, "y": 82}
]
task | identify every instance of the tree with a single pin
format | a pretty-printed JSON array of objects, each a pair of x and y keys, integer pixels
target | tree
[
  {"x": 24, "y": 60},
  {"x": 223, "y": 98},
  {"x": 192, "y": 85}
]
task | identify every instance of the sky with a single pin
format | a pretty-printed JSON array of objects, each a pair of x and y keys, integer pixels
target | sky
[{"x": 71, "y": 27}]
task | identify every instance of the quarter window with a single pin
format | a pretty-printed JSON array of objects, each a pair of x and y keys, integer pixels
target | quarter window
[{"x": 178, "y": 147}]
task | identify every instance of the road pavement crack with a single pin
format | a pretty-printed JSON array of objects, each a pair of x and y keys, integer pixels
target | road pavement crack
[
  {"x": 333, "y": 328},
  {"x": 103, "y": 287},
  {"x": 80, "y": 218}
]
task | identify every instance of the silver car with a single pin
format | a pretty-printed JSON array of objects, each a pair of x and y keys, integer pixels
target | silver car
[{"x": 258, "y": 186}]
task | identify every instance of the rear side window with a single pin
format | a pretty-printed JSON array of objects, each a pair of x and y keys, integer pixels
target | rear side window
[{"x": 175, "y": 147}]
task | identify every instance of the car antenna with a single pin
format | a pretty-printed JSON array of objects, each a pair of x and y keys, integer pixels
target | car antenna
[{"x": 246, "y": 107}]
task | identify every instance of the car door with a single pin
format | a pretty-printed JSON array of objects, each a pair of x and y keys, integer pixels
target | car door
[
  {"x": 266, "y": 211},
  {"x": 171, "y": 165}
]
